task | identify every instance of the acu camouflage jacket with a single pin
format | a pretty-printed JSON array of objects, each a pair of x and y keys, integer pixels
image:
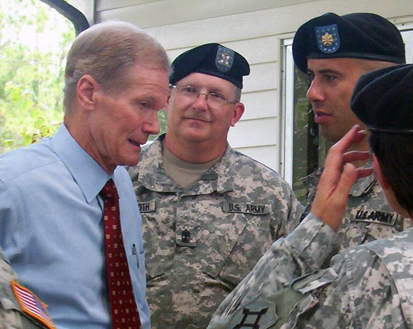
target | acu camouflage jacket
[
  {"x": 368, "y": 286},
  {"x": 201, "y": 241},
  {"x": 368, "y": 216}
]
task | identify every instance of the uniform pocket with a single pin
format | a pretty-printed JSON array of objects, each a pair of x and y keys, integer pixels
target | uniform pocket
[{"x": 240, "y": 239}]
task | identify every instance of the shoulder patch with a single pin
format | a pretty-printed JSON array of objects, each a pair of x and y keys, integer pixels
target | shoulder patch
[
  {"x": 32, "y": 305},
  {"x": 260, "y": 313}
]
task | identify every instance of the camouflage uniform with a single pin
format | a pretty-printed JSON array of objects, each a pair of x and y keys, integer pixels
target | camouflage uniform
[
  {"x": 11, "y": 314},
  {"x": 368, "y": 216},
  {"x": 368, "y": 286},
  {"x": 201, "y": 241}
]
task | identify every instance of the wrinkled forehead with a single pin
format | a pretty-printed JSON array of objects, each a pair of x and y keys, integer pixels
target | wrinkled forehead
[{"x": 206, "y": 80}]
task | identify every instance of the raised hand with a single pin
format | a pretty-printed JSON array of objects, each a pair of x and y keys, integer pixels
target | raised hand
[{"x": 338, "y": 178}]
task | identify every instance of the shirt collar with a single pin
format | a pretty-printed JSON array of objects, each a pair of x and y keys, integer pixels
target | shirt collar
[{"x": 87, "y": 173}]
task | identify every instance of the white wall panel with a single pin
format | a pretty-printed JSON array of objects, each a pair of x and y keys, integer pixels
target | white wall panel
[
  {"x": 249, "y": 25},
  {"x": 256, "y": 51},
  {"x": 262, "y": 77},
  {"x": 267, "y": 155},
  {"x": 253, "y": 133},
  {"x": 166, "y": 12},
  {"x": 260, "y": 104}
]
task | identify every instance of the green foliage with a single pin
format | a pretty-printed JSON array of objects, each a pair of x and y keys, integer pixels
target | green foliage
[
  {"x": 302, "y": 134},
  {"x": 162, "y": 117},
  {"x": 310, "y": 148},
  {"x": 34, "y": 40}
]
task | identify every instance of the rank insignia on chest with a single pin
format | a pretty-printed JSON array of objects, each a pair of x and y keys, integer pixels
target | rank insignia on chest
[
  {"x": 328, "y": 40},
  {"x": 186, "y": 236}
]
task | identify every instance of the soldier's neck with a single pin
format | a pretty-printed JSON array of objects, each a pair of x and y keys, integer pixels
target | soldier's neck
[
  {"x": 197, "y": 152},
  {"x": 362, "y": 146}
]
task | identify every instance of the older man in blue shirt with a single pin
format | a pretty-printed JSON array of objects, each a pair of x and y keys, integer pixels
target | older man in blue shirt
[{"x": 51, "y": 212}]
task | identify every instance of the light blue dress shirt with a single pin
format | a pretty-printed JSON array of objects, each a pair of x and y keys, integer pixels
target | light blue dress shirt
[{"x": 51, "y": 229}]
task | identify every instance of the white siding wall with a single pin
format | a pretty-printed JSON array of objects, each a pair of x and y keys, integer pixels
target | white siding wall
[{"x": 254, "y": 28}]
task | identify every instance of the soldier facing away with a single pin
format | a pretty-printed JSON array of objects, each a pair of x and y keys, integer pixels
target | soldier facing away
[
  {"x": 335, "y": 51},
  {"x": 368, "y": 286},
  {"x": 209, "y": 212}
]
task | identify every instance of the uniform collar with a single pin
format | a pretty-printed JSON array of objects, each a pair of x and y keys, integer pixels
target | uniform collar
[
  {"x": 152, "y": 174},
  {"x": 362, "y": 186}
]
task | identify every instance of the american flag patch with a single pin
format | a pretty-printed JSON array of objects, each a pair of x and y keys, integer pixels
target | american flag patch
[{"x": 32, "y": 305}]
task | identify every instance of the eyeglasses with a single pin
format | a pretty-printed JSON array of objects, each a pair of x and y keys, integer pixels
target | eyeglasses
[{"x": 213, "y": 99}]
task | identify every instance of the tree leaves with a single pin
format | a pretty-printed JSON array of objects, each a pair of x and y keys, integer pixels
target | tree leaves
[{"x": 31, "y": 72}]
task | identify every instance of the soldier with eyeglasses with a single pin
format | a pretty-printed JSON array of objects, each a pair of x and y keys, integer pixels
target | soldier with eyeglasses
[{"x": 209, "y": 212}]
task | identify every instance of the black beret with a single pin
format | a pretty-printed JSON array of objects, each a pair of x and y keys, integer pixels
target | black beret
[
  {"x": 359, "y": 35},
  {"x": 213, "y": 59},
  {"x": 383, "y": 99}
]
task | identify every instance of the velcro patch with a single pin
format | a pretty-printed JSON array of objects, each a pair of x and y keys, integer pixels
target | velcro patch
[
  {"x": 374, "y": 216},
  {"x": 32, "y": 305},
  {"x": 245, "y": 208},
  {"x": 145, "y": 207},
  {"x": 260, "y": 313}
]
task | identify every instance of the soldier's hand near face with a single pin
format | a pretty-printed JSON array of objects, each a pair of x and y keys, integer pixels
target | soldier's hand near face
[{"x": 338, "y": 178}]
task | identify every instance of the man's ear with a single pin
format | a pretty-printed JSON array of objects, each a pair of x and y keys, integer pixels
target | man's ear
[
  {"x": 238, "y": 112},
  {"x": 86, "y": 92},
  {"x": 379, "y": 174},
  {"x": 168, "y": 103}
]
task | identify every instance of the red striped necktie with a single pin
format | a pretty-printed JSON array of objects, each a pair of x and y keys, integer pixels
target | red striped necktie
[{"x": 124, "y": 311}]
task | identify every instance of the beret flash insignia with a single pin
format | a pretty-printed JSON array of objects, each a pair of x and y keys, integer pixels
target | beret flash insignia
[
  {"x": 328, "y": 40},
  {"x": 224, "y": 59}
]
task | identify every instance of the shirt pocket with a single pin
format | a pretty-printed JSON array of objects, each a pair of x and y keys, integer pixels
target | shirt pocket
[{"x": 241, "y": 237}]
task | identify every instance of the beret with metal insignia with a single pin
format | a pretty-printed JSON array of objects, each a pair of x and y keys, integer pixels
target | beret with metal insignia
[
  {"x": 383, "y": 100},
  {"x": 358, "y": 35},
  {"x": 212, "y": 59}
]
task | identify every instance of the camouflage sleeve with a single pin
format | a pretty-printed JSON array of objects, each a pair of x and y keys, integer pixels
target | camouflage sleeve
[
  {"x": 9, "y": 318},
  {"x": 357, "y": 291},
  {"x": 302, "y": 252},
  {"x": 288, "y": 219},
  {"x": 363, "y": 295},
  {"x": 294, "y": 216}
]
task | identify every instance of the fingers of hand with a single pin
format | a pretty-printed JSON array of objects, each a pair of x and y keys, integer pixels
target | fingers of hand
[
  {"x": 336, "y": 157},
  {"x": 331, "y": 199},
  {"x": 354, "y": 135},
  {"x": 346, "y": 182},
  {"x": 355, "y": 156},
  {"x": 364, "y": 172}
]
